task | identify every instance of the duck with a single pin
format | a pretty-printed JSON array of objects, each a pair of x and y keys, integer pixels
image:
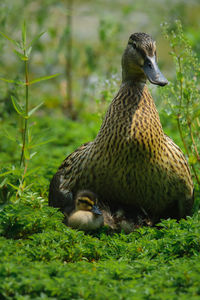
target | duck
[
  {"x": 87, "y": 216},
  {"x": 131, "y": 164}
]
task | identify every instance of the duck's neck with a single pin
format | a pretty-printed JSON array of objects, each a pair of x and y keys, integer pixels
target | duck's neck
[
  {"x": 132, "y": 77},
  {"x": 133, "y": 84},
  {"x": 130, "y": 94},
  {"x": 132, "y": 111},
  {"x": 132, "y": 72}
]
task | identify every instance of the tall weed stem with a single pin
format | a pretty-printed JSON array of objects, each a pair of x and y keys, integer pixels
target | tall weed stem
[
  {"x": 22, "y": 160},
  {"x": 183, "y": 93}
]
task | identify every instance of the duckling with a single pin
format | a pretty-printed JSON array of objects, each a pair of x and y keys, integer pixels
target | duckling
[
  {"x": 87, "y": 216},
  {"x": 131, "y": 163}
]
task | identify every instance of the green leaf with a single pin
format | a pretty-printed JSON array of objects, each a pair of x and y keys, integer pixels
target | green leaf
[
  {"x": 33, "y": 154},
  {"x": 12, "y": 81},
  {"x": 43, "y": 78},
  {"x": 18, "y": 44},
  {"x": 21, "y": 56},
  {"x": 17, "y": 107},
  {"x": 13, "y": 186},
  {"x": 36, "y": 38},
  {"x": 34, "y": 109},
  {"x": 28, "y": 187},
  {"x": 42, "y": 143},
  {"x": 33, "y": 170},
  {"x": 8, "y": 38},
  {"x": 28, "y": 52},
  {"x": 3, "y": 182},
  {"x": 10, "y": 135},
  {"x": 6, "y": 173},
  {"x": 24, "y": 34}
]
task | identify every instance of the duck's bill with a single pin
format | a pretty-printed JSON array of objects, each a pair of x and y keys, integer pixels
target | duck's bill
[
  {"x": 152, "y": 71},
  {"x": 96, "y": 210}
]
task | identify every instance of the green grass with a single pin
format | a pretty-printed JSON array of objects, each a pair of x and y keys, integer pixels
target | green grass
[{"x": 42, "y": 258}]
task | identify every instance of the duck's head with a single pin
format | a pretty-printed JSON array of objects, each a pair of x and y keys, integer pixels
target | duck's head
[
  {"x": 139, "y": 61},
  {"x": 87, "y": 201}
]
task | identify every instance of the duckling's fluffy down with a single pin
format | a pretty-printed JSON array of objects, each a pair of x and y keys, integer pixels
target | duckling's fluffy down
[{"x": 85, "y": 220}]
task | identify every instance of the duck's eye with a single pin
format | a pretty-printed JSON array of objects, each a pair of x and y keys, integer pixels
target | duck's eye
[{"x": 134, "y": 45}]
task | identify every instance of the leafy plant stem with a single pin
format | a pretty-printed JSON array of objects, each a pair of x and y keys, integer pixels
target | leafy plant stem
[
  {"x": 180, "y": 104},
  {"x": 69, "y": 104},
  {"x": 21, "y": 186},
  {"x": 180, "y": 110},
  {"x": 188, "y": 121},
  {"x": 197, "y": 154},
  {"x": 22, "y": 160}
]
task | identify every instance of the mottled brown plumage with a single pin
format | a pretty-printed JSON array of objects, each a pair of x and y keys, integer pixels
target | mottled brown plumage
[{"x": 131, "y": 164}]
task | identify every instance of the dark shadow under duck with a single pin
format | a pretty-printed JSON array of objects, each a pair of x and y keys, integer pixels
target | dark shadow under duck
[{"x": 131, "y": 164}]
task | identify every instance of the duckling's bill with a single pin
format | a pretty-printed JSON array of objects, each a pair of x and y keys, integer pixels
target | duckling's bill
[{"x": 96, "y": 210}]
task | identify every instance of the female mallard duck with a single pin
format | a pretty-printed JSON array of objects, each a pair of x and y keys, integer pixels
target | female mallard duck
[
  {"x": 87, "y": 216},
  {"x": 131, "y": 164}
]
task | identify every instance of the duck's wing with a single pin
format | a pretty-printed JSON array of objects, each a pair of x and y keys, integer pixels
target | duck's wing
[
  {"x": 181, "y": 169},
  {"x": 68, "y": 174},
  {"x": 177, "y": 155}
]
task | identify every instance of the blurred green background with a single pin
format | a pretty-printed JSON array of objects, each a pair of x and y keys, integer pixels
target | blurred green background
[{"x": 100, "y": 30}]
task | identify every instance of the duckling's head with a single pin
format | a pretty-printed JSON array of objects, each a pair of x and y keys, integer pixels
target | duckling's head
[
  {"x": 87, "y": 215},
  {"x": 139, "y": 61},
  {"x": 87, "y": 201}
]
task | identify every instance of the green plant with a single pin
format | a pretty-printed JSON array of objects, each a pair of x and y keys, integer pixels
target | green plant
[
  {"x": 182, "y": 94},
  {"x": 23, "y": 51},
  {"x": 41, "y": 257},
  {"x": 68, "y": 36}
]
